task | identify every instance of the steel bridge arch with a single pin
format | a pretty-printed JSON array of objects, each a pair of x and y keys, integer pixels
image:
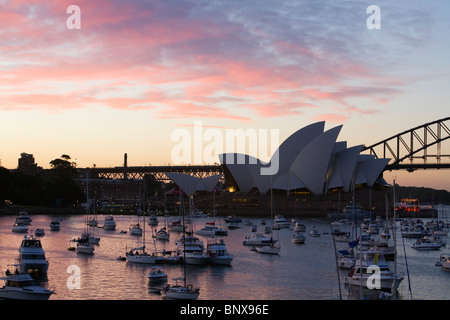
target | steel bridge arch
[{"x": 408, "y": 144}]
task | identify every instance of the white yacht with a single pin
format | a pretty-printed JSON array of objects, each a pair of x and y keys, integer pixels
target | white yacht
[
  {"x": 54, "y": 224},
  {"x": 23, "y": 218},
  {"x": 22, "y": 286},
  {"x": 39, "y": 232},
  {"x": 162, "y": 234},
  {"x": 83, "y": 246},
  {"x": 92, "y": 222},
  {"x": 153, "y": 221},
  {"x": 185, "y": 292},
  {"x": 217, "y": 252},
  {"x": 314, "y": 233},
  {"x": 19, "y": 228},
  {"x": 139, "y": 255},
  {"x": 135, "y": 229},
  {"x": 298, "y": 238},
  {"x": 32, "y": 255},
  {"x": 90, "y": 238},
  {"x": 299, "y": 227},
  {"x": 424, "y": 244},
  {"x": 375, "y": 273},
  {"x": 268, "y": 249},
  {"x": 258, "y": 239},
  {"x": 109, "y": 223},
  {"x": 345, "y": 259},
  {"x": 210, "y": 230},
  {"x": 281, "y": 222},
  {"x": 197, "y": 213},
  {"x": 413, "y": 232},
  {"x": 156, "y": 274},
  {"x": 191, "y": 249},
  {"x": 444, "y": 261}
]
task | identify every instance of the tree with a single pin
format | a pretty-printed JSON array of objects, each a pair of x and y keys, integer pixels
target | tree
[
  {"x": 62, "y": 187},
  {"x": 63, "y": 162}
]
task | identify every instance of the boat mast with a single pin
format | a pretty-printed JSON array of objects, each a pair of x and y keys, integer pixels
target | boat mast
[{"x": 184, "y": 240}]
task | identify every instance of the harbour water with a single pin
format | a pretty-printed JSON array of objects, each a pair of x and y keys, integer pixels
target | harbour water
[{"x": 300, "y": 272}]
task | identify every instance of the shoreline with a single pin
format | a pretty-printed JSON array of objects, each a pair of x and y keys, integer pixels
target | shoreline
[{"x": 248, "y": 212}]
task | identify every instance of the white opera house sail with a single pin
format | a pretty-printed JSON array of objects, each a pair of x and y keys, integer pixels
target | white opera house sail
[{"x": 310, "y": 159}]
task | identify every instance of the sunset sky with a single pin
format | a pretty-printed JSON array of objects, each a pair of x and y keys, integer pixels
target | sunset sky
[{"x": 136, "y": 71}]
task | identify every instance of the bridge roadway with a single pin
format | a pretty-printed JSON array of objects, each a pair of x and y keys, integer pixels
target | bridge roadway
[
  {"x": 203, "y": 171},
  {"x": 159, "y": 172}
]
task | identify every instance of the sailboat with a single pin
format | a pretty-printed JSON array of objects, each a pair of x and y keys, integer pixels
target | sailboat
[
  {"x": 163, "y": 233},
  {"x": 272, "y": 248},
  {"x": 135, "y": 229},
  {"x": 92, "y": 239},
  {"x": 83, "y": 245},
  {"x": 182, "y": 291},
  {"x": 139, "y": 255}
]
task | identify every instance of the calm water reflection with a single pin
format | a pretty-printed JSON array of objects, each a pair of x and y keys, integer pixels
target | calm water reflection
[{"x": 301, "y": 271}]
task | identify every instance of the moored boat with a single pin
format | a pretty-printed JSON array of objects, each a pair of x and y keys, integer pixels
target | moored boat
[
  {"x": 32, "y": 256},
  {"x": 23, "y": 218},
  {"x": 298, "y": 238},
  {"x": 19, "y": 228},
  {"x": 184, "y": 292},
  {"x": 281, "y": 222},
  {"x": 258, "y": 239},
  {"x": 109, "y": 223},
  {"x": 372, "y": 272},
  {"x": 156, "y": 274},
  {"x": 54, "y": 224},
  {"x": 22, "y": 287},
  {"x": 217, "y": 252}
]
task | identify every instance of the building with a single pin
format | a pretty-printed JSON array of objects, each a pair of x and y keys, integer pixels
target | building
[
  {"x": 27, "y": 165},
  {"x": 309, "y": 160}
]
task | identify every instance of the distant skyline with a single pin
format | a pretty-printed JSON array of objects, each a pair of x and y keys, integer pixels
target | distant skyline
[{"x": 136, "y": 71}]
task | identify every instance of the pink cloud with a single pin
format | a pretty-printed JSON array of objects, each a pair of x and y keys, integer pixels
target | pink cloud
[
  {"x": 181, "y": 61},
  {"x": 331, "y": 117}
]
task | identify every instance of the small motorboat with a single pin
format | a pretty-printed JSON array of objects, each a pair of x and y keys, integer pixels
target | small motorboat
[
  {"x": 258, "y": 239},
  {"x": 298, "y": 238},
  {"x": 314, "y": 233},
  {"x": 426, "y": 245},
  {"x": 157, "y": 275},
  {"x": 19, "y": 228},
  {"x": 272, "y": 249},
  {"x": 54, "y": 224},
  {"x": 39, "y": 232},
  {"x": 162, "y": 234},
  {"x": 23, "y": 218}
]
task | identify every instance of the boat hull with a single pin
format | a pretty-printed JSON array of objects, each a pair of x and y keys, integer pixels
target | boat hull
[
  {"x": 384, "y": 283},
  {"x": 179, "y": 292},
  {"x": 142, "y": 259},
  {"x": 27, "y": 293},
  {"x": 85, "y": 249},
  {"x": 268, "y": 250},
  {"x": 196, "y": 259}
]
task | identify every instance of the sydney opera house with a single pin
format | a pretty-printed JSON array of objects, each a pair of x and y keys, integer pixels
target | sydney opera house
[{"x": 311, "y": 160}]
